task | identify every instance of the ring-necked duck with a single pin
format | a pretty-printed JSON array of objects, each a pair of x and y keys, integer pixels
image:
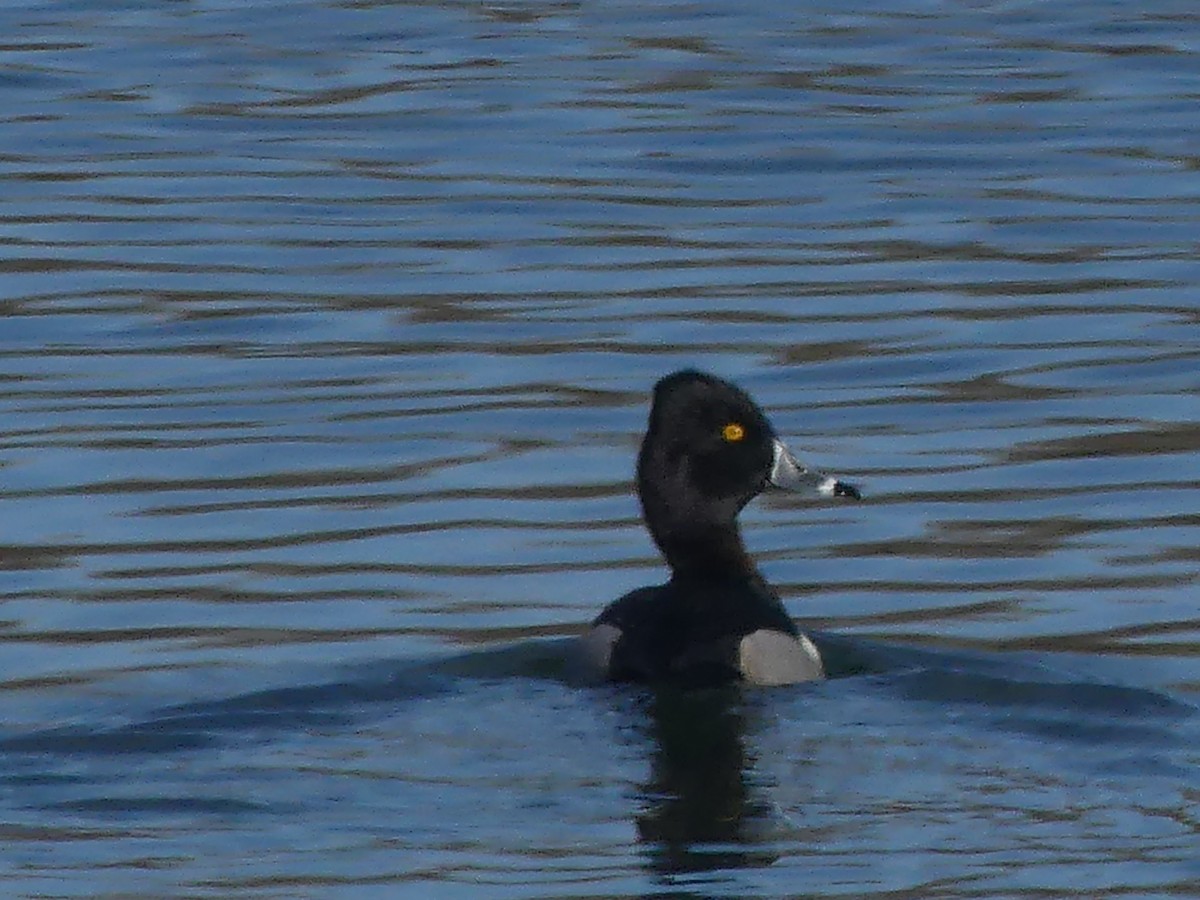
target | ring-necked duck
[{"x": 708, "y": 451}]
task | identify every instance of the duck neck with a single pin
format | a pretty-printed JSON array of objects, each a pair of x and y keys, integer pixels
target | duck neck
[{"x": 712, "y": 553}]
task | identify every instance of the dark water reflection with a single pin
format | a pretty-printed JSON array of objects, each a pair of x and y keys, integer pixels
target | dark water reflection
[
  {"x": 325, "y": 340},
  {"x": 700, "y": 812}
]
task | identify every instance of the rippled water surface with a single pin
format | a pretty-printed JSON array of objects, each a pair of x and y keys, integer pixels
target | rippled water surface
[{"x": 326, "y": 337}]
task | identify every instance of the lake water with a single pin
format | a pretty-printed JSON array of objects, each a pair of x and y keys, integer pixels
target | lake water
[{"x": 326, "y": 338}]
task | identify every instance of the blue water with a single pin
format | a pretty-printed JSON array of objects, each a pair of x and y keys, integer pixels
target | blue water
[{"x": 326, "y": 337}]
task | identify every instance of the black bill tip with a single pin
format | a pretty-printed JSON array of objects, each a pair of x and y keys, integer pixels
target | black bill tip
[{"x": 846, "y": 489}]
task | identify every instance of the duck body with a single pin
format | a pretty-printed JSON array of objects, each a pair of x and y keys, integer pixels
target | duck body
[
  {"x": 708, "y": 451},
  {"x": 699, "y": 635}
]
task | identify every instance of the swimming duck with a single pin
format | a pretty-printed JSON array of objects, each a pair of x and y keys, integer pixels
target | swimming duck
[{"x": 708, "y": 451}]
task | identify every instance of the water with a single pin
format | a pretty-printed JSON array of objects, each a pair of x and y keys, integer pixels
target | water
[{"x": 326, "y": 341}]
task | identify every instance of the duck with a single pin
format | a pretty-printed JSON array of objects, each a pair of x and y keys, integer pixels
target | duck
[{"x": 708, "y": 451}]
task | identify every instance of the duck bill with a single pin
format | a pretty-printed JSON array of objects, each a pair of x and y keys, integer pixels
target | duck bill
[{"x": 789, "y": 474}]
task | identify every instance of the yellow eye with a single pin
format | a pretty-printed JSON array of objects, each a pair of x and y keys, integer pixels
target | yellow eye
[{"x": 733, "y": 432}]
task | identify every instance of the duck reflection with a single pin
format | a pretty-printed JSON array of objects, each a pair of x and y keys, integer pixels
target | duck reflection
[{"x": 704, "y": 809}]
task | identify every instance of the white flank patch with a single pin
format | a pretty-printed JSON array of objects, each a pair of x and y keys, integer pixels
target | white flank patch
[{"x": 772, "y": 657}]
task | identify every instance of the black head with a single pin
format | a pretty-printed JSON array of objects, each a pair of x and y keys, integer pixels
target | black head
[
  {"x": 708, "y": 451},
  {"x": 706, "y": 454}
]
